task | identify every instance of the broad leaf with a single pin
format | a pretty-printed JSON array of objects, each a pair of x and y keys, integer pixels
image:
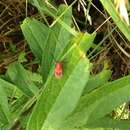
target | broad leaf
[
  {"x": 108, "y": 96},
  {"x": 36, "y": 35},
  {"x": 51, "y": 99},
  {"x": 68, "y": 97},
  {"x": 21, "y": 79},
  {"x": 47, "y": 43}
]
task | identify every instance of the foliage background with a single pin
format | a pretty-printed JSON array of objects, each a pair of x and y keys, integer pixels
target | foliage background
[{"x": 110, "y": 51}]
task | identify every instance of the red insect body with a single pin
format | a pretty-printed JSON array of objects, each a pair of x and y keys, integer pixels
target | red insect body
[{"x": 58, "y": 70}]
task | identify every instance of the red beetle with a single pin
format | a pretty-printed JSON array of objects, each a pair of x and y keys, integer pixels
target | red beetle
[{"x": 58, "y": 70}]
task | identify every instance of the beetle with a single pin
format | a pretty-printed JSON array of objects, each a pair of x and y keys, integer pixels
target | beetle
[{"x": 58, "y": 70}]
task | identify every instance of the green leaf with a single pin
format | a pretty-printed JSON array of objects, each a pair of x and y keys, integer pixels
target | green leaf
[
  {"x": 46, "y": 9},
  {"x": 22, "y": 57},
  {"x": 97, "y": 81},
  {"x": 40, "y": 39},
  {"x": 68, "y": 97},
  {"x": 87, "y": 41},
  {"x": 43, "y": 7},
  {"x": 57, "y": 40},
  {"x": 54, "y": 86},
  {"x": 88, "y": 129},
  {"x": 17, "y": 106},
  {"x": 108, "y": 96},
  {"x": 36, "y": 35},
  {"x": 107, "y": 122},
  {"x": 10, "y": 89},
  {"x": 47, "y": 55},
  {"x": 35, "y": 77},
  {"x": 4, "y": 107},
  {"x": 63, "y": 36},
  {"x": 108, "y": 5},
  {"x": 59, "y": 43},
  {"x": 21, "y": 79}
]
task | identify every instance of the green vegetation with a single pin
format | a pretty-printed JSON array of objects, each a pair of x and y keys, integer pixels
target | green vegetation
[{"x": 75, "y": 99}]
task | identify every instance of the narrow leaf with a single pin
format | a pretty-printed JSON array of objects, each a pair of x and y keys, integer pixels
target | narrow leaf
[
  {"x": 4, "y": 107},
  {"x": 97, "y": 81},
  {"x": 107, "y": 122},
  {"x": 108, "y": 5}
]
